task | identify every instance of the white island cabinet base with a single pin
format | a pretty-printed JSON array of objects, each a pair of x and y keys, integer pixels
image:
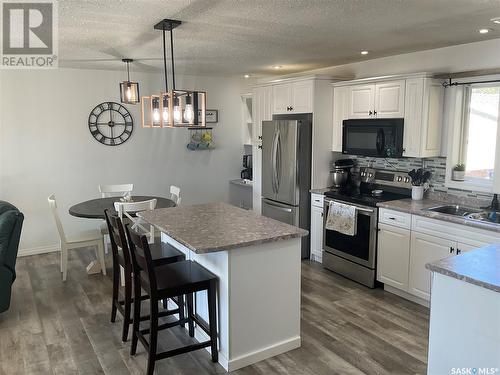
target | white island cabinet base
[
  {"x": 258, "y": 299},
  {"x": 464, "y": 328}
]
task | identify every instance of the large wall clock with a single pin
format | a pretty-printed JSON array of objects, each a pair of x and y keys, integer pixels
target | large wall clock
[{"x": 111, "y": 123}]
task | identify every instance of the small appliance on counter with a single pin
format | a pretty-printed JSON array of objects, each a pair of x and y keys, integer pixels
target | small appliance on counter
[
  {"x": 246, "y": 173},
  {"x": 341, "y": 172},
  {"x": 354, "y": 256}
]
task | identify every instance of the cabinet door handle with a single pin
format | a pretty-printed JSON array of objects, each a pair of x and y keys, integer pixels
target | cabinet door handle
[
  {"x": 370, "y": 113},
  {"x": 322, "y": 214},
  {"x": 392, "y": 218},
  {"x": 452, "y": 249},
  {"x": 259, "y": 146},
  {"x": 260, "y": 137},
  {"x": 374, "y": 113},
  {"x": 291, "y": 108},
  {"x": 458, "y": 251}
]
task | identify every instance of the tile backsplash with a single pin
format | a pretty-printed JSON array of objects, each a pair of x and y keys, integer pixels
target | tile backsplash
[{"x": 436, "y": 165}]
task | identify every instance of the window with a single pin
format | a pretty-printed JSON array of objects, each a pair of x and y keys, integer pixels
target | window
[
  {"x": 473, "y": 116},
  {"x": 479, "y": 131}
]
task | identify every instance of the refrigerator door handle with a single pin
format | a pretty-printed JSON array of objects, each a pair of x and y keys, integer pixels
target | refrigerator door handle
[
  {"x": 278, "y": 206},
  {"x": 278, "y": 159},
  {"x": 274, "y": 151}
]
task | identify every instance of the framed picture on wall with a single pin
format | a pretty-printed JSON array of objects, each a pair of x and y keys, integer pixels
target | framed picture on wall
[{"x": 211, "y": 116}]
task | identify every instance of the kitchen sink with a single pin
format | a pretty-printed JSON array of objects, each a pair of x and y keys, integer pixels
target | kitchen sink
[
  {"x": 490, "y": 216},
  {"x": 455, "y": 210}
]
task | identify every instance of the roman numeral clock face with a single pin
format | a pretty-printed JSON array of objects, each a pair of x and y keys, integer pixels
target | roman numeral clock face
[{"x": 111, "y": 123}]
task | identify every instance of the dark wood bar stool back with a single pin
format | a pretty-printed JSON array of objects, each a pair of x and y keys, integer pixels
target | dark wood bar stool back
[
  {"x": 123, "y": 259},
  {"x": 166, "y": 281}
]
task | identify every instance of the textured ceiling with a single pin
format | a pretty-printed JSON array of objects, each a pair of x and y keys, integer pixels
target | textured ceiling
[{"x": 227, "y": 37}]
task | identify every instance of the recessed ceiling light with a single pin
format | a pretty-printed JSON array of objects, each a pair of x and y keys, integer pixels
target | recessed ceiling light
[
  {"x": 496, "y": 20},
  {"x": 483, "y": 31},
  {"x": 247, "y": 76},
  {"x": 364, "y": 52},
  {"x": 276, "y": 66}
]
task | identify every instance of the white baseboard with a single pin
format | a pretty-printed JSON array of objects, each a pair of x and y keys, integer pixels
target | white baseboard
[
  {"x": 406, "y": 295},
  {"x": 38, "y": 250},
  {"x": 263, "y": 353}
]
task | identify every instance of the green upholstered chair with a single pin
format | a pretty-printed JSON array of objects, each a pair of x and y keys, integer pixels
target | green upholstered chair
[{"x": 11, "y": 222}]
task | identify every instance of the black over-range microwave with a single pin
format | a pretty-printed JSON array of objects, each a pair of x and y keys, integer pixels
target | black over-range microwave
[{"x": 381, "y": 137}]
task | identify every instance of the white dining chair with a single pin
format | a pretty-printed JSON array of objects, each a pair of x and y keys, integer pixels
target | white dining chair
[
  {"x": 126, "y": 210},
  {"x": 175, "y": 194},
  {"x": 120, "y": 190},
  {"x": 107, "y": 191},
  {"x": 76, "y": 241}
]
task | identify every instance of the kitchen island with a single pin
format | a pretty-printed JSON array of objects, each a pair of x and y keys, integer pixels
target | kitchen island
[
  {"x": 465, "y": 308},
  {"x": 257, "y": 261}
]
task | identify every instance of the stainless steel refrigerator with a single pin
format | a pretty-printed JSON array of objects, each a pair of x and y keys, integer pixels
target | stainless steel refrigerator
[{"x": 286, "y": 171}]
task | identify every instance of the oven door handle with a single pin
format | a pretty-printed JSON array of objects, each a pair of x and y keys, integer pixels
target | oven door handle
[
  {"x": 364, "y": 209},
  {"x": 327, "y": 203}
]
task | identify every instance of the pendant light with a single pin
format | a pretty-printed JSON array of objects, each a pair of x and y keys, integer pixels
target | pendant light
[
  {"x": 129, "y": 91},
  {"x": 173, "y": 108}
]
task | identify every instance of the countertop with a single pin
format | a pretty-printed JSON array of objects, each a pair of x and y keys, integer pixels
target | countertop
[
  {"x": 418, "y": 208},
  {"x": 479, "y": 267},
  {"x": 242, "y": 182},
  {"x": 320, "y": 191},
  {"x": 212, "y": 227}
]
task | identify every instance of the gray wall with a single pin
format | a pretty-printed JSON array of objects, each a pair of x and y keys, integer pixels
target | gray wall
[{"x": 46, "y": 147}]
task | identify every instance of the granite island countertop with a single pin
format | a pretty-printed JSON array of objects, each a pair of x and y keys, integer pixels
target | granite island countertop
[
  {"x": 212, "y": 227},
  {"x": 419, "y": 208},
  {"x": 479, "y": 267}
]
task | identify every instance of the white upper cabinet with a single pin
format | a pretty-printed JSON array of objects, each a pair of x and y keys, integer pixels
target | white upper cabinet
[
  {"x": 390, "y": 99},
  {"x": 296, "y": 97},
  {"x": 416, "y": 98},
  {"x": 282, "y": 98},
  {"x": 377, "y": 100},
  {"x": 340, "y": 112},
  {"x": 362, "y": 101},
  {"x": 423, "y": 117},
  {"x": 302, "y": 97}
]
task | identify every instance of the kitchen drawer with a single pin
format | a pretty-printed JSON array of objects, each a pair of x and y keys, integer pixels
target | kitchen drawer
[
  {"x": 317, "y": 200},
  {"x": 395, "y": 218}
]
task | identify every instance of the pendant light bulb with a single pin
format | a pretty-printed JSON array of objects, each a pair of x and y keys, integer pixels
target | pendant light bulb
[
  {"x": 177, "y": 110},
  {"x": 165, "y": 110},
  {"x": 156, "y": 111},
  {"x": 188, "y": 111},
  {"x": 129, "y": 92}
]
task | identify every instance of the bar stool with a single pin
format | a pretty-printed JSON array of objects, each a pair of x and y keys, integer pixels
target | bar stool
[
  {"x": 162, "y": 282},
  {"x": 164, "y": 254}
]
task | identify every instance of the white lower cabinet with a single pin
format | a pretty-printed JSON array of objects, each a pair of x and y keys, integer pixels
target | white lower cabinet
[
  {"x": 426, "y": 249},
  {"x": 393, "y": 256},
  {"x": 316, "y": 234},
  {"x": 406, "y": 243}
]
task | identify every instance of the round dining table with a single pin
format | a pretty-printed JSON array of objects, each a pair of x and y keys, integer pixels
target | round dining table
[{"x": 94, "y": 209}]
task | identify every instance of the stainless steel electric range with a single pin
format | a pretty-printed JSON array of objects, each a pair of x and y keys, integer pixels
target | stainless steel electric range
[{"x": 355, "y": 257}]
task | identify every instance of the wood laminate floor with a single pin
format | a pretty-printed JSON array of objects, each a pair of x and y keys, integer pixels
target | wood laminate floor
[{"x": 63, "y": 328}]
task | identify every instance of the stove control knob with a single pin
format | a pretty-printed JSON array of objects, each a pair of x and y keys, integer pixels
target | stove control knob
[
  {"x": 363, "y": 174},
  {"x": 400, "y": 178},
  {"x": 370, "y": 175},
  {"x": 407, "y": 179}
]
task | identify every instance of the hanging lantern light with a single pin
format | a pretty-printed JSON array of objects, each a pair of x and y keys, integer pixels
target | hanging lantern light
[
  {"x": 129, "y": 91},
  {"x": 173, "y": 108}
]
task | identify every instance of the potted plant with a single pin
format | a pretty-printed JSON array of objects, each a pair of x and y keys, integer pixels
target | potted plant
[
  {"x": 419, "y": 180},
  {"x": 458, "y": 173}
]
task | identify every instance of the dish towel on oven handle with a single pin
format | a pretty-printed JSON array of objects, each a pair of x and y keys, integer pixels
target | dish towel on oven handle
[{"x": 342, "y": 218}]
